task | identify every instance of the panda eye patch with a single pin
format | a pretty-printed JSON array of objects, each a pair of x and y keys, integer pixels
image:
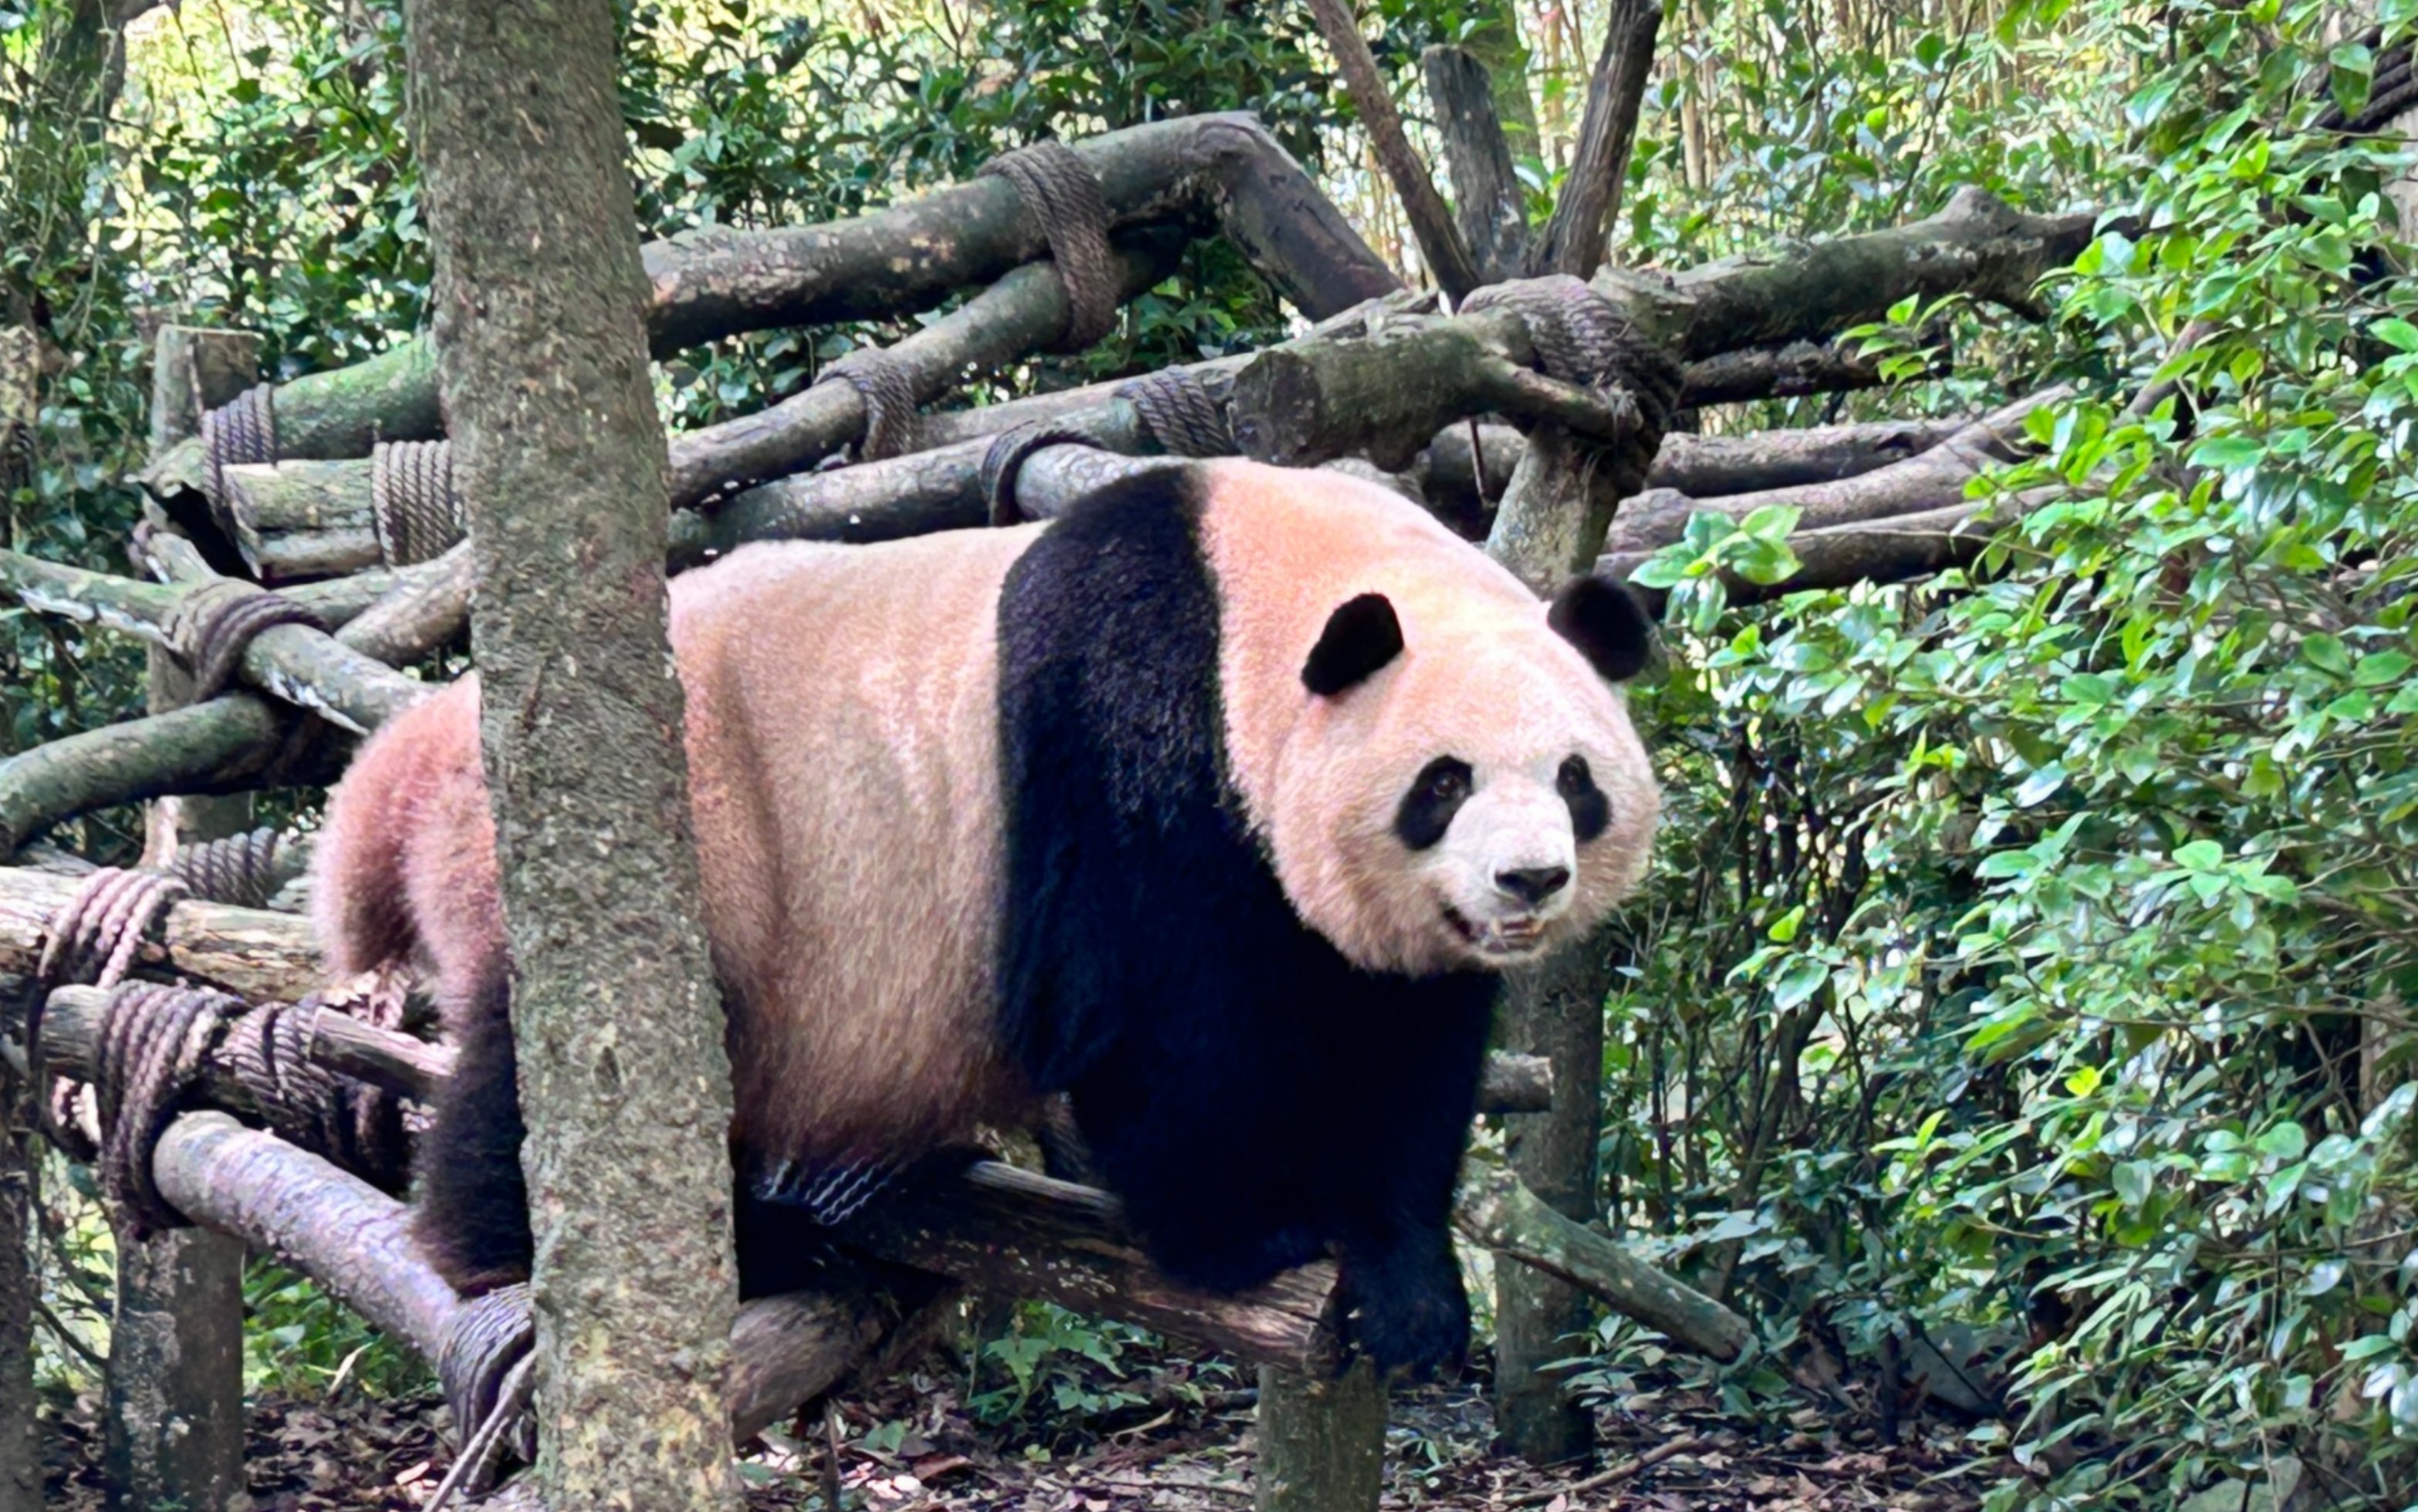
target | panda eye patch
[
  {"x": 1590, "y": 810},
  {"x": 1434, "y": 797}
]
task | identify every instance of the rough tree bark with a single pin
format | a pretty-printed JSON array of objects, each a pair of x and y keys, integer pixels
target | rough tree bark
[
  {"x": 174, "y": 1402},
  {"x": 1322, "y": 1442},
  {"x": 1577, "y": 233},
  {"x": 1552, "y": 523},
  {"x": 1440, "y": 240},
  {"x": 560, "y": 456},
  {"x": 21, "y": 1476},
  {"x": 1555, "y": 1010}
]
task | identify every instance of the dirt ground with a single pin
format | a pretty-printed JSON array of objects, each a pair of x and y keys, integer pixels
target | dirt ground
[{"x": 1671, "y": 1450}]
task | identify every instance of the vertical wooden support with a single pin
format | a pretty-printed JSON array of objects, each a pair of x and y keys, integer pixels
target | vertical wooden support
[
  {"x": 20, "y": 1462},
  {"x": 1321, "y": 1442},
  {"x": 1555, "y": 1010},
  {"x": 175, "y": 1357}
]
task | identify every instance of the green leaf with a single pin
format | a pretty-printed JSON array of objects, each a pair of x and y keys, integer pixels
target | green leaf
[
  {"x": 2037, "y": 788},
  {"x": 2325, "y": 652},
  {"x": 1798, "y": 981},
  {"x": 2202, "y": 856},
  {"x": 2377, "y": 668},
  {"x": 2396, "y": 333},
  {"x": 2132, "y": 1181}
]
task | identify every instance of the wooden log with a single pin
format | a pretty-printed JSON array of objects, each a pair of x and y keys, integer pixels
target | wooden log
[
  {"x": 173, "y": 1402},
  {"x": 1926, "y": 481},
  {"x": 296, "y": 519},
  {"x": 1781, "y": 369},
  {"x": 1494, "y": 1210},
  {"x": 303, "y": 666},
  {"x": 251, "y": 952},
  {"x": 1576, "y": 235},
  {"x": 1022, "y": 313},
  {"x": 717, "y": 282},
  {"x": 1441, "y": 247},
  {"x": 353, "y": 1240},
  {"x": 1701, "y": 466},
  {"x": 230, "y": 743},
  {"x": 1976, "y": 244},
  {"x": 1322, "y": 1442},
  {"x": 1490, "y": 203}
]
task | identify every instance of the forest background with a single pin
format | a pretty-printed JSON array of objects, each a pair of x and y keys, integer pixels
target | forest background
[{"x": 2023, "y": 973}]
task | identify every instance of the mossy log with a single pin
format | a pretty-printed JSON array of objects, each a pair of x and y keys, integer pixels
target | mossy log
[
  {"x": 996, "y": 1226},
  {"x": 1223, "y": 169}
]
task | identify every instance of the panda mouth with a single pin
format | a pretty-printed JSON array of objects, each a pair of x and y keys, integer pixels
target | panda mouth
[{"x": 1510, "y": 938}]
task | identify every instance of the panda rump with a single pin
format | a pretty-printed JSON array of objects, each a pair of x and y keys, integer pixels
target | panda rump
[{"x": 1118, "y": 806}]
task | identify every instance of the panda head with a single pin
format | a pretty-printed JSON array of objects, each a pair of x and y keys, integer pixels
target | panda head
[{"x": 1463, "y": 788}]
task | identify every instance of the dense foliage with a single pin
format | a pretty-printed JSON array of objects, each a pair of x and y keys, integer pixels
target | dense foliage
[{"x": 2024, "y": 979}]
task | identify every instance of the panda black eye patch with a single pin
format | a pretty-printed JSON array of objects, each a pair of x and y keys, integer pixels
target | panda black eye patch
[
  {"x": 1590, "y": 811},
  {"x": 1436, "y": 796}
]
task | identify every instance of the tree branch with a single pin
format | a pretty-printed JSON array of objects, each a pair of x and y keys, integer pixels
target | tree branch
[
  {"x": 1576, "y": 235},
  {"x": 995, "y": 1227},
  {"x": 1659, "y": 516},
  {"x": 1440, "y": 243},
  {"x": 1490, "y": 204},
  {"x": 715, "y": 283}
]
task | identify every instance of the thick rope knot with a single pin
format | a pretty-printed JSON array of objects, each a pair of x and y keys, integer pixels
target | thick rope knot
[
  {"x": 91, "y": 938},
  {"x": 1003, "y": 463},
  {"x": 154, "y": 1044},
  {"x": 215, "y": 623},
  {"x": 888, "y": 390},
  {"x": 1062, "y": 194},
  {"x": 414, "y": 510},
  {"x": 95, "y": 934},
  {"x": 357, "y": 1126},
  {"x": 245, "y": 870},
  {"x": 1184, "y": 417},
  {"x": 482, "y": 1366},
  {"x": 239, "y": 432},
  {"x": 1582, "y": 338}
]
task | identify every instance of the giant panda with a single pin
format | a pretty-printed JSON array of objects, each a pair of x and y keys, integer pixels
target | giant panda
[{"x": 1216, "y": 803}]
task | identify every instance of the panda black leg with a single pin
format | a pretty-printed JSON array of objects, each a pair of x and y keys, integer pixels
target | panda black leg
[
  {"x": 1404, "y": 1304},
  {"x": 472, "y": 1217}
]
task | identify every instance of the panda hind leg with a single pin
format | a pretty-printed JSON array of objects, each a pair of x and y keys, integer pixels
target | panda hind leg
[{"x": 471, "y": 1214}]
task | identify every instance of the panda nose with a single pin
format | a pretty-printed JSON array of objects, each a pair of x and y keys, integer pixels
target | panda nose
[{"x": 1533, "y": 885}]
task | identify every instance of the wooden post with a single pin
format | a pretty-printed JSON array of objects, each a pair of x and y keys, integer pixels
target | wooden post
[
  {"x": 1321, "y": 1442},
  {"x": 1555, "y": 1010},
  {"x": 20, "y": 1462},
  {"x": 176, "y": 1355}
]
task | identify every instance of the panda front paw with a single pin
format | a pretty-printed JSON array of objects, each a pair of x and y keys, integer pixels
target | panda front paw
[{"x": 1405, "y": 1311}]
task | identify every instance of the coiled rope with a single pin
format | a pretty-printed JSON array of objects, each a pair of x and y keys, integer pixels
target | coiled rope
[
  {"x": 414, "y": 510},
  {"x": 1582, "y": 338},
  {"x": 239, "y": 432},
  {"x": 882, "y": 381},
  {"x": 1062, "y": 194},
  {"x": 1184, "y": 417},
  {"x": 216, "y": 622}
]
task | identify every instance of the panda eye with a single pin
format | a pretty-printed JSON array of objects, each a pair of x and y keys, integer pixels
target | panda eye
[
  {"x": 1590, "y": 810},
  {"x": 1434, "y": 797}
]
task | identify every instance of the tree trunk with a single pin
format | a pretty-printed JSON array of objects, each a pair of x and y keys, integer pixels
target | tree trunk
[
  {"x": 21, "y": 1281},
  {"x": 1556, "y": 1009},
  {"x": 1321, "y": 1442},
  {"x": 174, "y": 1407},
  {"x": 560, "y": 457}
]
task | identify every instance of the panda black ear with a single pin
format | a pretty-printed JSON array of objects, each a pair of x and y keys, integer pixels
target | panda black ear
[
  {"x": 1606, "y": 623},
  {"x": 1360, "y": 638}
]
